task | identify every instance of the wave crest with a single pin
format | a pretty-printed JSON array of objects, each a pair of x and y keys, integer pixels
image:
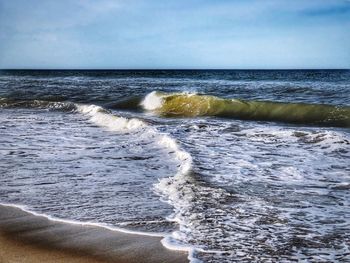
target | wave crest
[{"x": 152, "y": 101}]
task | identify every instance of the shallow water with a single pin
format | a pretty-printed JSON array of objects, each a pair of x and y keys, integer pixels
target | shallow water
[{"x": 234, "y": 190}]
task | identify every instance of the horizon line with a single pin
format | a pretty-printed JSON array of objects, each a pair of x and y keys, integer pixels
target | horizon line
[{"x": 162, "y": 69}]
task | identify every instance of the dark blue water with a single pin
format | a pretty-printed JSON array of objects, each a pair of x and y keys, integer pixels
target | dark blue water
[{"x": 104, "y": 87}]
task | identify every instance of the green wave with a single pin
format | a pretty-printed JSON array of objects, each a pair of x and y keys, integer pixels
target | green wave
[{"x": 191, "y": 105}]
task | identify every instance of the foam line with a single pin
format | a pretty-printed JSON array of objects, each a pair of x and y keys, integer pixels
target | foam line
[
  {"x": 102, "y": 117},
  {"x": 74, "y": 222}
]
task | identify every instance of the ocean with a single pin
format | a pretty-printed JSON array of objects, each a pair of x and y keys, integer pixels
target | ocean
[{"x": 232, "y": 165}]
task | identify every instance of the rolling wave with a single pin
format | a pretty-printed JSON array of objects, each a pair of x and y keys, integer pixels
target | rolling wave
[{"x": 193, "y": 105}]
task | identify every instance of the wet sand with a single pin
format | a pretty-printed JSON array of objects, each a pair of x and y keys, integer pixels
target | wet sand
[{"x": 28, "y": 238}]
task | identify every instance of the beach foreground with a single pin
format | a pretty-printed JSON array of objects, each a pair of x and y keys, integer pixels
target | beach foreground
[{"x": 25, "y": 237}]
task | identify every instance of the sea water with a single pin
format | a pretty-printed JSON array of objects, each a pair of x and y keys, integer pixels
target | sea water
[{"x": 100, "y": 147}]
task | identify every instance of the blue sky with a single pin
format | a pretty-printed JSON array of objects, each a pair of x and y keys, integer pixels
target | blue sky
[{"x": 174, "y": 34}]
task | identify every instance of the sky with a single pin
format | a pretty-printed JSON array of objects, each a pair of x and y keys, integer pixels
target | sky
[{"x": 168, "y": 34}]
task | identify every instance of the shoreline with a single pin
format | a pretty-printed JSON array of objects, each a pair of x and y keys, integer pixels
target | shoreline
[{"x": 34, "y": 238}]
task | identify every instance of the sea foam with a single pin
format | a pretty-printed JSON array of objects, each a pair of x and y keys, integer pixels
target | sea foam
[
  {"x": 102, "y": 117},
  {"x": 152, "y": 101}
]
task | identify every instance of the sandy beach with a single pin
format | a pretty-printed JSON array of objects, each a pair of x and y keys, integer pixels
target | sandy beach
[{"x": 27, "y": 238}]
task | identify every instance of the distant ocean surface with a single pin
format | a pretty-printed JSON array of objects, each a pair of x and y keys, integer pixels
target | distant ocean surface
[{"x": 237, "y": 165}]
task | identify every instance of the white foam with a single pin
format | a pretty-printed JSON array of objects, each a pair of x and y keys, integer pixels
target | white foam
[
  {"x": 181, "y": 155},
  {"x": 168, "y": 188},
  {"x": 169, "y": 244},
  {"x": 101, "y": 117},
  {"x": 152, "y": 101}
]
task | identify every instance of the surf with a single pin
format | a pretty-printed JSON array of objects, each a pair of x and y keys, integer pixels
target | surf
[
  {"x": 132, "y": 128},
  {"x": 194, "y": 105}
]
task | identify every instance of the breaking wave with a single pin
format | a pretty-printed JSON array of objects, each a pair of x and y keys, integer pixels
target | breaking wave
[{"x": 192, "y": 105}]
